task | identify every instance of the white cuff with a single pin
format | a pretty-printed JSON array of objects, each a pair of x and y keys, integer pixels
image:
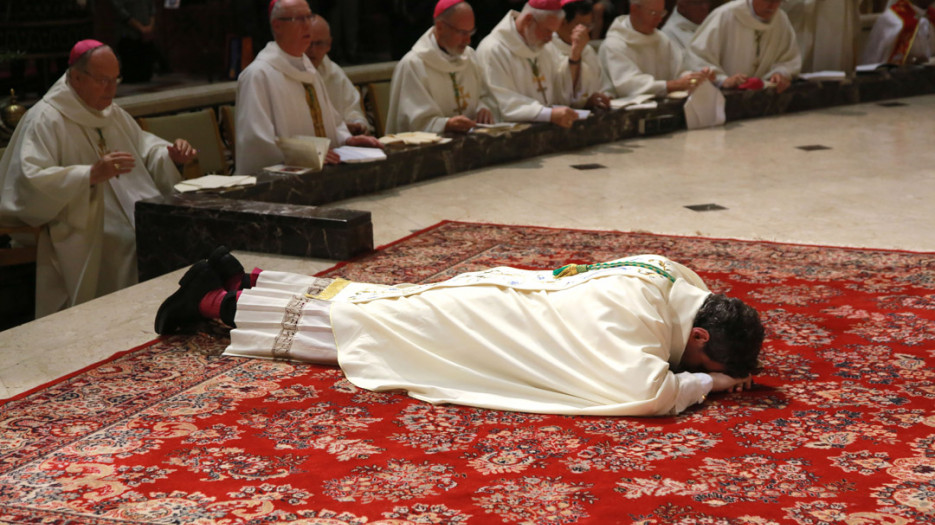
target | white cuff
[
  {"x": 693, "y": 388},
  {"x": 545, "y": 115}
]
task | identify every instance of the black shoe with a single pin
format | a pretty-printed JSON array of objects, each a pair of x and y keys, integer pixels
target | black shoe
[
  {"x": 181, "y": 308},
  {"x": 226, "y": 266}
]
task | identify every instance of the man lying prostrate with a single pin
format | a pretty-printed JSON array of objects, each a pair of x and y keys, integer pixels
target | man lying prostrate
[{"x": 640, "y": 336}]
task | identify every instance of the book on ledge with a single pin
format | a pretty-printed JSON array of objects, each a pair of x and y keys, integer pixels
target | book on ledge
[
  {"x": 354, "y": 154},
  {"x": 304, "y": 151}
]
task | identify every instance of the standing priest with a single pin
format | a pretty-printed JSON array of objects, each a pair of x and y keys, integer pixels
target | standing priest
[
  {"x": 439, "y": 85},
  {"x": 75, "y": 167},
  {"x": 523, "y": 75}
]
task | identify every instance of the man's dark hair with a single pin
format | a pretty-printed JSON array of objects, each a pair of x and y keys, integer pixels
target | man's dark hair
[
  {"x": 736, "y": 333},
  {"x": 573, "y": 9}
]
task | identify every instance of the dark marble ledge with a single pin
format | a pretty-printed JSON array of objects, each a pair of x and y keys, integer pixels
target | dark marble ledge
[{"x": 262, "y": 211}]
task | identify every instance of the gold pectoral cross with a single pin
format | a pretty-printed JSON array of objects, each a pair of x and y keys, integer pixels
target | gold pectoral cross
[
  {"x": 461, "y": 97},
  {"x": 539, "y": 79}
]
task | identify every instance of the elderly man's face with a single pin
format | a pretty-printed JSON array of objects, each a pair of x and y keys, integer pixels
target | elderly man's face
[
  {"x": 453, "y": 32},
  {"x": 292, "y": 27},
  {"x": 538, "y": 33},
  {"x": 320, "y": 45},
  {"x": 766, "y": 9},
  {"x": 96, "y": 85},
  {"x": 694, "y": 10},
  {"x": 645, "y": 16}
]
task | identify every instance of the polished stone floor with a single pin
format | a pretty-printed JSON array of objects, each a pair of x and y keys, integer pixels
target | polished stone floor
[{"x": 860, "y": 175}]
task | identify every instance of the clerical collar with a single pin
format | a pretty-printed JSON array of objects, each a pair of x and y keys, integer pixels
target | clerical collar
[
  {"x": 753, "y": 12},
  {"x": 297, "y": 62}
]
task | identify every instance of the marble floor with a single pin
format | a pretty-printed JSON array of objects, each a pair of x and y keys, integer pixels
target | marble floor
[{"x": 867, "y": 187}]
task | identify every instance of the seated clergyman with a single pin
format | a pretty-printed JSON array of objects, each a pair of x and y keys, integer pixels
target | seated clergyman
[
  {"x": 903, "y": 34},
  {"x": 439, "y": 85},
  {"x": 746, "y": 39},
  {"x": 570, "y": 48},
  {"x": 639, "y": 336},
  {"x": 523, "y": 76},
  {"x": 680, "y": 27},
  {"x": 344, "y": 95},
  {"x": 639, "y": 59}
]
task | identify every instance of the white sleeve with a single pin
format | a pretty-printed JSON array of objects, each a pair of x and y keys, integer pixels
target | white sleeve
[{"x": 692, "y": 389}]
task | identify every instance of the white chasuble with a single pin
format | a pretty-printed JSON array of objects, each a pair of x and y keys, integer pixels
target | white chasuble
[
  {"x": 635, "y": 63},
  {"x": 603, "y": 342},
  {"x": 342, "y": 92},
  {"x": 733, "y": 41},
  {"x": 430, "y": 86},
  {"x": 523, "y": 81},
  {"x": 902, "y": 34},
  {"x": 680, "y": 30},
  {"x": 827, "y": 32},
  {"x": 589, "y": 73},
  {"x": 87, "y": 244},
  {"x": 274, "y": 100}
]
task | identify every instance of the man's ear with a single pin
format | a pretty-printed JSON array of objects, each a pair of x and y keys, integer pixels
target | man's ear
[{"x": 699, "y": 335}]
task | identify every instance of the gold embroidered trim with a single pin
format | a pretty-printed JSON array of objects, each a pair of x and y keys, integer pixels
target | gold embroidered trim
[{"x": 333, "y": 288}]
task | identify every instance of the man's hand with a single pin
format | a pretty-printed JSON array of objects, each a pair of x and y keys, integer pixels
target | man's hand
[
  {"x": 734, "y": 81},
  {"x": 782, "y": 82},
  {"x": 580, "y": 36},
  {"x": 726, "y": 383},
  {"x": 113, "y": 164},
  {"x": 332, "y": 157},
  {"x": 357, "y": 128},
  {"x": 598, "y": 101},
  {"x": 484, "y": 116},
  {"x": 563, "y": 116},
  {"x": 364, "y": 141},
  {"x": 459, "y": 124},
  {"x": 182, "y": 152}
]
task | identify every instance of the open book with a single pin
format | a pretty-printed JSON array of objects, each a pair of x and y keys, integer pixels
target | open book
[{"x": 304, "y": 151}]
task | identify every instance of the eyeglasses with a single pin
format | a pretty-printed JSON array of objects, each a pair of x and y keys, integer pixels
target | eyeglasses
[
  {"x": 319, "y": 43},
  {"x": 297, "y": 18},
  {"x": 653, "y": 12},
  {"x": 103, "y": 81},
  {"x": 461, "y": 32}
]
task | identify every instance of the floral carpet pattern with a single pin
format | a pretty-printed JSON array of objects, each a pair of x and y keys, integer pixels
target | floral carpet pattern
[{"x": 840, "y": 428}]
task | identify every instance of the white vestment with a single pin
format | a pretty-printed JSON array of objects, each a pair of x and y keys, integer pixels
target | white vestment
[
  {"x": 271, "y": 102},
  {"x": 603, "y": 342},
  {"x": 733, "y": 41},
  {"x": 510, "y": 67},
  {"x": 827, "y": 33},
  {"x": 635, "y": 63},
  {"x": 87, "y": 243},
  {"x": 589, "y": 73},
  {"x": 680, "y": 30},
  {"x": 429, "y": 86},
  {"x": 893, "y": 40},
  {"x": 342, "y": 92}
]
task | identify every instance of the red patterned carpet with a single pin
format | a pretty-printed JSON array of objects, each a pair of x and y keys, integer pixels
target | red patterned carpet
[{"x": 840, "y": 430}]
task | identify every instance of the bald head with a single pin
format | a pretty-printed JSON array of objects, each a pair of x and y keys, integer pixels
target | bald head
[{"x": 320, "y": 45}]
